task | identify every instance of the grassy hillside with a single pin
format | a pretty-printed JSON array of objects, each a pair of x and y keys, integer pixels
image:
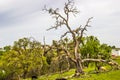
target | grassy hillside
[{"x": 111, "y": 75}]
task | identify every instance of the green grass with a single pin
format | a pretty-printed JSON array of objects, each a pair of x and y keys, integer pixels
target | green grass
[
  {"x": 57, "y": 75},
  {"x": 117, "y": 59},
  {"x": 111, "y": 75}
]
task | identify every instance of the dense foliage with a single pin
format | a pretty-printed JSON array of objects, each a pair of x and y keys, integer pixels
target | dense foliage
[{"x": 27, "y": 57}]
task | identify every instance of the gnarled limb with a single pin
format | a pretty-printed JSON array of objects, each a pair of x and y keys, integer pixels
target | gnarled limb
[{"x": 109, "y": 62}]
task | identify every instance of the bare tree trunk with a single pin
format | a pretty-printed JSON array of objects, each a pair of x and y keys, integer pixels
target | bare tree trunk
[
  {"x": 78, "y": 63},
  {"x": 79, "y": 68}
]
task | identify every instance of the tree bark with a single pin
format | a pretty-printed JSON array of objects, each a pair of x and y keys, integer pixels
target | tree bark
[{"x": 79, "y": 69}]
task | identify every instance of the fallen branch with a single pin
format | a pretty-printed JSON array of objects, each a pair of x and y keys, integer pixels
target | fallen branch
[
  {"x": 109, "y": 62},
  {"x": 94, "y": 60}
]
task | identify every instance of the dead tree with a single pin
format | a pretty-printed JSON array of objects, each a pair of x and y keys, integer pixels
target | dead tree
[
  {"x": 62, "y": 20},
  {"x": 76, "y": 34}
]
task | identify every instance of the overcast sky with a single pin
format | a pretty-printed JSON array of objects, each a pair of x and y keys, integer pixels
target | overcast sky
[{"x": 25, "y": 18}]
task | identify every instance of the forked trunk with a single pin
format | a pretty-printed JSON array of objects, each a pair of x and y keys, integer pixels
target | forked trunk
[{"x": 79, "y": 69}]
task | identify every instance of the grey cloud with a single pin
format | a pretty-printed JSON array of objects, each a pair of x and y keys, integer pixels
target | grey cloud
[
  {"x": 18, "y": 11},
  {"x": 28, "y": 20}
]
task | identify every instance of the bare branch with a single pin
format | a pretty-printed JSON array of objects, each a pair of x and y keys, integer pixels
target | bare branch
[
  {"x": 94, "y": 60},
  {"x": 65, "y": 34},
  {"x": 69, "y": 7},
  {"x": 109, "y": 62},
  {"x": 60, "y": 20},
  {"x": 68, "y": 54},
  {"x": 85, "y": 28},
  {"x": 53, "y": 27}
]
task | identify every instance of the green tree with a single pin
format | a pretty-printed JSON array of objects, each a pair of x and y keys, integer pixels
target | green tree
[
  {"x": 90, "y": 49},
  {"x": 25, "y": 58},
  {"x": 105, "y": 51},
  {"x": 7, "y": 48},
  {"x": 30, "y": 54}
]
